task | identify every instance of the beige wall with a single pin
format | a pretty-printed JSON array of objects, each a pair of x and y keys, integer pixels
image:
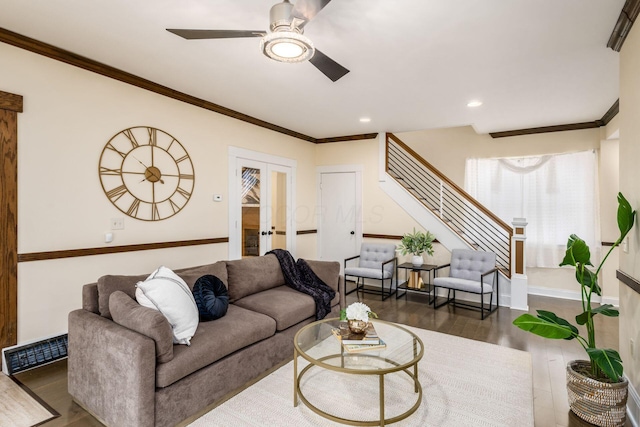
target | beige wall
[
  {"x": 69, "y": 115},
  {"x": 630, "y": 187}
]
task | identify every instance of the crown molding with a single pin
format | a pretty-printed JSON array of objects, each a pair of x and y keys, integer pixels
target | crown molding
[
  {"x": 627, "y": 17},
  {"x": 346, "y": 138},
  {"x": 606, "y": 118}
]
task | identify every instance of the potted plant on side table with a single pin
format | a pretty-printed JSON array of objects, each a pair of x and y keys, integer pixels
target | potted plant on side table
[
  {"x": 416, "y": 244},
  {"x": 596, "y": 388}
]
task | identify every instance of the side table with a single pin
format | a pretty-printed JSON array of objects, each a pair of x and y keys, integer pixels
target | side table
[{"x": 421, "y": 287}]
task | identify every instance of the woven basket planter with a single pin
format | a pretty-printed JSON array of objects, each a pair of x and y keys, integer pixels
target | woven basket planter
[{"x": 600, "y": 403}]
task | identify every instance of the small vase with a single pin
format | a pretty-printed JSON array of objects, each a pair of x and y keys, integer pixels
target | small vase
[
  {"x": 417, "y": 260},
  {"x": 357, "y": 326}
]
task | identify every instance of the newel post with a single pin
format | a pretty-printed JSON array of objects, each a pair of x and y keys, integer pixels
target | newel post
[{"x": 519, "y": 283}]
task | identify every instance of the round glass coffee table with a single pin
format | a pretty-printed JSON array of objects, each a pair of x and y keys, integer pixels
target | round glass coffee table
[{"x": 317, "y": 344}]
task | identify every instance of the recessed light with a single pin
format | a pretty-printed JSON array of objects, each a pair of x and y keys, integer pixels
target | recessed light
[
  {"x": 365, "y": 119},
  {"x": 474, "y": 103}
]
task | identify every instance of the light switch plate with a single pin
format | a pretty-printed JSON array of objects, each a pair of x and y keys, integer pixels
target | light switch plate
[{"x": 117, "y": 223}]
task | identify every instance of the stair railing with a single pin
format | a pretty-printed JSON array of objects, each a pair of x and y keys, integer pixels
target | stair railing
[{"x": 474, "y": 223}]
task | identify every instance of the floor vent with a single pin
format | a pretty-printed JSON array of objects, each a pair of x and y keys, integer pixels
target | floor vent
[{"x": 23, "y": 357}]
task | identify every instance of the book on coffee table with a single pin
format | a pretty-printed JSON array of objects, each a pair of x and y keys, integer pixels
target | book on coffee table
[
  {"x": 370, "y": 336},
  {"x": 357, "y": 348}
]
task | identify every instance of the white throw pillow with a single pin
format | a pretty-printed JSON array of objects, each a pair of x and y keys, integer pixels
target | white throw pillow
[{"x": 166, "y": 292}]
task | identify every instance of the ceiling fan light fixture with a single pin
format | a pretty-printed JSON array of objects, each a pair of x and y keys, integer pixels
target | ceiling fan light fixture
[{"x": 287, "y": 46}]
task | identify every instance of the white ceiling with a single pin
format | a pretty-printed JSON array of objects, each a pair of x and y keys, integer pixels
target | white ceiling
[{"x": 414, "y": 64}]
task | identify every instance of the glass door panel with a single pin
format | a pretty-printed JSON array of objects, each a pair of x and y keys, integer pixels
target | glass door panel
[
  {"x": 250, "y": 199},
  {"x": 278, "y": 218}
]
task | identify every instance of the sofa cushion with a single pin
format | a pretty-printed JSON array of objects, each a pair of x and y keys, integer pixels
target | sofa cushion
[
  {"x": 283, "y": 304},
  {"x": 251, "y": 275},
  {"x": 329, "y": 273},
  {"x": 463, "y": 285},
  {"x": 215, "y": 340},
  {"x": 191, "y": 274},
  {"x": 211, "y": 297},
  {"x": 146, "y": 321},
  {"x": 110, "y": 283},
  {"x": 167, "y": 292},
  {"x": 127, "y": 283}
]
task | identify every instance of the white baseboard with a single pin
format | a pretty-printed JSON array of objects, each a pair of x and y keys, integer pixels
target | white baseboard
[
  {"x": 570, "y": 295},
  {"x": 633, "y": 405}
]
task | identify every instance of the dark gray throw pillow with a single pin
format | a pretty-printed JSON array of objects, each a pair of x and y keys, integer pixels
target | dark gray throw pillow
[{"x": 211, "y": 297}]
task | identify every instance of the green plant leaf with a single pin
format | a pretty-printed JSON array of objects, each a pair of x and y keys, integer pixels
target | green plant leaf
[
  {"x": 608, "y": 361},
  {"x": 583, "y": 317},
  {"x": 588, "y": 279},
  {"x": 606, "y": 310},
  {"x": 545, "y": 327},
  {"x": 626, "y": 217},
  {"x": 577, "y": 252},
  {"x": 553, "y": 318},
  {"x": 416, "y": 243}
]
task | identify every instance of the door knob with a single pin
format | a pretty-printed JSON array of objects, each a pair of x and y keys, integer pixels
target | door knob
[
  {"x": 270, "y": 232},
  {"x": 353, "y": 232},
  {"x": 264, "y": 233}
]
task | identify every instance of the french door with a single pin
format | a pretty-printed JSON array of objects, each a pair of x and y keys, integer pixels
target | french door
[{"x": 260, "y": 206}]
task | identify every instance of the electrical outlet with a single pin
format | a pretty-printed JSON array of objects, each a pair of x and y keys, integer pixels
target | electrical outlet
[
  {"x": 117, "y": 223},
  {"x": 625, "y": 245}
]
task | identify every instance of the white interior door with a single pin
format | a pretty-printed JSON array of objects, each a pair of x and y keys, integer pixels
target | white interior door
[{"x": 340, "y": 223}]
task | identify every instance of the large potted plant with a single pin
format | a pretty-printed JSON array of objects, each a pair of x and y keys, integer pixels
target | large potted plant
[
  {"x": 416, "y": 244},
  {"x": 596, "y": 388}
]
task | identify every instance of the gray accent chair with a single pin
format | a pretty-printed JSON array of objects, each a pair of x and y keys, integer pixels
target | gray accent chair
[
  {"x": 473, "y": 272},
  {"x": 376, "y": 261}
]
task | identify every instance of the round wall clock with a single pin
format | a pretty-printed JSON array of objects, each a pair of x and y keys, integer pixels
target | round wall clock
[{"x": 146, "y": 173}]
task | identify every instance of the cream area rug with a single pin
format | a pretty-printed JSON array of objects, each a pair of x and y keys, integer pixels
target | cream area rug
[
  {"x": 18, "y": 408},
  {"x": 464, "y": 383}
]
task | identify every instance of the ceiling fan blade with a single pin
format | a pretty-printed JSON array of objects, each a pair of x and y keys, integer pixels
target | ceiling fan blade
[
  {"x": 215, "y": 34},
  {"x": 305, "y": 10},
  {"x": 328, "y": 66}
]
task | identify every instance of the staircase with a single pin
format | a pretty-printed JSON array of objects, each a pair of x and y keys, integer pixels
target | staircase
[{"x": 462, "y": 220}]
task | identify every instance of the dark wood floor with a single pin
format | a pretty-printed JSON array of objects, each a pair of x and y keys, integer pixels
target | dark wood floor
[{"x": 550, "y": 357}]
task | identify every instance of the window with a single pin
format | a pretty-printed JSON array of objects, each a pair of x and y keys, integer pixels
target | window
[{"x": 557, "y": 194}]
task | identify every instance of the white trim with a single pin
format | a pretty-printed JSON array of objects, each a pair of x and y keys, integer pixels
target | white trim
[
  {"x": 357, "y": 169},
  {"x": 633, "y": 405},
  {"x": 261, "y": 157},
  {"x": 235, "y": 153},
  {"x": 610, "y": 300},
  {"x": 570, "y": 295},
  {"x": 382, "y": 156}
]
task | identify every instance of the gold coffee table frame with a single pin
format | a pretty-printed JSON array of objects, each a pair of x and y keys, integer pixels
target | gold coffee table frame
[{"x": 306, "y": 334}]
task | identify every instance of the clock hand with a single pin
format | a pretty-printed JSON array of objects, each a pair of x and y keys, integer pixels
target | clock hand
[{"x": 141, "y": 162}]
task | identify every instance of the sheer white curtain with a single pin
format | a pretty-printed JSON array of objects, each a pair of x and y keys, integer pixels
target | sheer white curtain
[{"x": 557, "y": 194}]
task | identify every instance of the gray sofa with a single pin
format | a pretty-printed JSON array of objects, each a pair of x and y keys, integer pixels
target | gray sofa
[{"x": 129, "y": 374}]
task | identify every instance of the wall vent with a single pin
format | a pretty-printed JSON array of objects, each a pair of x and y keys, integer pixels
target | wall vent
[{"x": 24, "y": 357}]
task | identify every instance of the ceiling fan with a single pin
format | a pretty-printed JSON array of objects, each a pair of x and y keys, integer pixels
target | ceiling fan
[{"x": 286, "y": 41}]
